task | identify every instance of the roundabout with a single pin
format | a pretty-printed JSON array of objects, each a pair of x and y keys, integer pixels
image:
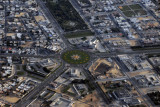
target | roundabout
[{"x": 75, "y": 57}]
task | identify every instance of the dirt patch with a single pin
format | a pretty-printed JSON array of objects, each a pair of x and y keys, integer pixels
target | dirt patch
[
  {"x": 133, "y": 74},
  {"x": 10, "y": 34},
  {"x": 90, "y": 100},
  {"x": 27, "y": 44},
  {"x": 11, "y": 99},
  {"x": 113, "y": 70},
  {"x": 39, "y": 18}
]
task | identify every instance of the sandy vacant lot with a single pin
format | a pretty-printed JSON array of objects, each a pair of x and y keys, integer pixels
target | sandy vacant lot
[
  {"x": 27, "y": 44},
  {"x": 91, "y": 100},
  {"x": 114, "y": 72},
  {"x": 39, "y": 18},
  {"x": 10, "y": 99},
  {"x": 132, "y": 74}
]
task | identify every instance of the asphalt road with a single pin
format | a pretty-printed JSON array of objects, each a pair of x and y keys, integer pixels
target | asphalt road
[
  {"x": 97, "y": 87},
  {"x": 124, "y": 69},
  {"x": 29, "y": 98},
  {"x": 54, "y": 23},
  {"x": 112, "y": 79},
  {"x": 31, "y": 95},
  {"x": 112, "y": 54}
]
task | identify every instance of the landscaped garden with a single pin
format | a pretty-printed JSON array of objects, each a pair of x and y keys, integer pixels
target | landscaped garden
[
  {"x": 132, "y": 10},
  {"x": 66, "y": 15},
  {"x": 79, "y": 34},
  {"x": 75, "y": 57}
]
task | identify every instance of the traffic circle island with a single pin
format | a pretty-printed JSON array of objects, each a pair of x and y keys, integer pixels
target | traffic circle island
[{"x": 75, "y": 57}]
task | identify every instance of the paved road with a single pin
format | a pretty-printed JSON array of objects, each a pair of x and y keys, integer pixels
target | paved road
[
  {"x": 112, "y": 54},
  {"x": 153, "y": 51},
  {"x": 97, "y": 87},
  {"x": 112, "y": 79},
  {"x": 54, "y": 23},
  {"x": 150, "y": 12},
  {"x": 124, "y": 69},
  {"x": 28, "y": 98}
]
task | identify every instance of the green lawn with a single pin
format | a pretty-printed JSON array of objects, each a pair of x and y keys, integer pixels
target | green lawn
[
  {"x": 132, "y": 10},
  {"x": 79, "y": 34},
  {"x": 66, "y": 15},
  {"x": 65, "y": 90},
  {"x": 135, "y": 7},
  {"x": 129, "y": 13},
  {"x": 141, "y": 12},
  {"x": 75, "y": 57},
  {"x": 20, "y": 73},
  {"x": 137, "y": 48},
  {"x": 124, "y": 8}
]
